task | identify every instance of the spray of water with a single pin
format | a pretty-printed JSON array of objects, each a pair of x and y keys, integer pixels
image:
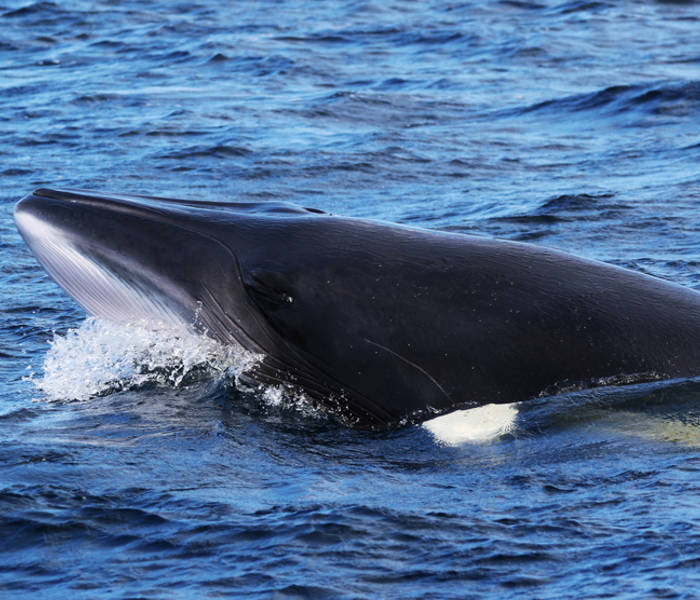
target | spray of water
[{"x": 100, "y": 357}]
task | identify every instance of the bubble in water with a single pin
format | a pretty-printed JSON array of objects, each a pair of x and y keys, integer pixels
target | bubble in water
[{"x": 101, "y": 357}]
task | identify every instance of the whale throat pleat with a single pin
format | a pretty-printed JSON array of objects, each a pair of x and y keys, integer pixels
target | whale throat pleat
[{"x": 101, "y": 289}]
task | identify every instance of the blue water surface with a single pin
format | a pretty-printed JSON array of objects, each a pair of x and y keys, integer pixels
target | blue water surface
[{"x": 570, "y": 124}]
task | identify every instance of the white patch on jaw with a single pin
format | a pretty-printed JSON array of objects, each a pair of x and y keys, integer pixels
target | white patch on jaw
[
  {"x": 97, "y": 289},
  {"x": 474, "y": 425}
]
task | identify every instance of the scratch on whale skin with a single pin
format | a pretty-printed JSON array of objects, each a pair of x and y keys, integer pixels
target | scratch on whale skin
[{"x": 411, "y": 363}]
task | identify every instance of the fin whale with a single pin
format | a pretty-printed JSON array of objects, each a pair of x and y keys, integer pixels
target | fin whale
[{"x": 380, "y": 324}]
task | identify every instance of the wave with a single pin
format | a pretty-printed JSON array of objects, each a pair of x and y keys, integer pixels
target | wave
[
  {"x": 568, "y": 207},
  {"x": 35, "y": 8},
  {"x": 667, "y": 98},
  {"x": 216, "y": 151}
]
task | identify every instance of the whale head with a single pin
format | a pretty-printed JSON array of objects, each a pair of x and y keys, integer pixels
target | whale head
[
  {"x": 129, "y": 258},
  {"x": 237, "y": 272}
]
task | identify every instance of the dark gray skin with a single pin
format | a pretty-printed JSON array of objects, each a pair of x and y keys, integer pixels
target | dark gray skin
[{"x": 380, "y": 324}]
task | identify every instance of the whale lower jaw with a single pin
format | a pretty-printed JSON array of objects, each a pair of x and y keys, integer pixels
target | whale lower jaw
[{"x": 102, "y": 289}]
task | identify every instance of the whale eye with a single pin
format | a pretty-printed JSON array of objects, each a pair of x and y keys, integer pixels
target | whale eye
[{"x": 268, "y": 290}]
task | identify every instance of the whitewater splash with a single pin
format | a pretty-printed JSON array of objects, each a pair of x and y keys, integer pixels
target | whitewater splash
[{"x": 101, "y": 357}]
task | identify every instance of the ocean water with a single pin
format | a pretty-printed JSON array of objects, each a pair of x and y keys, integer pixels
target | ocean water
[{"x": 135, "y": 464}]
